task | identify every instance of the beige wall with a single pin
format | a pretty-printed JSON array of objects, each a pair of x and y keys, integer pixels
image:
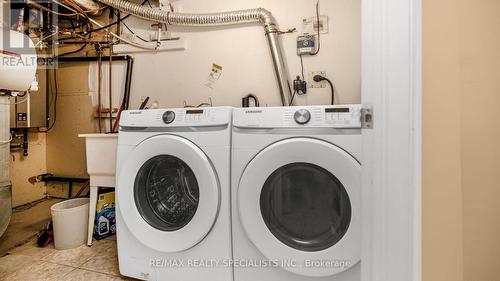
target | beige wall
[
  {"x": 442, "y": 190},
  {"x": 22, "y": 168},
  {"x": 461, "y": 229},
  {"x": 59, "y": 151},
  {"x": 174, "y": 77},
  {"x": 480, "y": 102},
  {"x": 65, "y": 150}
]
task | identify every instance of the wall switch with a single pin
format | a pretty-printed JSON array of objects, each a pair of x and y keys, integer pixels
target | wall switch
[{"x": 314, "y": 84}]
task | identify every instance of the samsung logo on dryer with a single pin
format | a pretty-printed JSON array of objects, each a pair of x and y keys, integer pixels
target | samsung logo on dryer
[{"x": 252, "y": 111}]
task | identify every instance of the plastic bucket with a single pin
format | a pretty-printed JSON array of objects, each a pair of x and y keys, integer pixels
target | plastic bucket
[{"x": 70, "y": 220}]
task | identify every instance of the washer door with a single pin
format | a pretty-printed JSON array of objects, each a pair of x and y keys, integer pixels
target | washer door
[
  {"x": 299, "y": 203},
  {"x": 168, "y": 193}
]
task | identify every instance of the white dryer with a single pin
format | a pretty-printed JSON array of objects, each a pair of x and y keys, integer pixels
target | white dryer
[
  {"x": 173, "y": 194},
  {"x": 296, "y": 187}
]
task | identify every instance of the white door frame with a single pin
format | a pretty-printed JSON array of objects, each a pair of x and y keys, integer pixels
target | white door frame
[{"x": 392, "y": 149}]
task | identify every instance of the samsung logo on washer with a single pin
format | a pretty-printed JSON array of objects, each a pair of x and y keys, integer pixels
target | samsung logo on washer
[
  {"x": 253, "y": 111},
  {"x": 135, "y": 112}
]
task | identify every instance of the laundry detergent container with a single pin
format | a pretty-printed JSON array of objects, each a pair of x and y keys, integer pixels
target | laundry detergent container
[{"x": 70, "y": 222}]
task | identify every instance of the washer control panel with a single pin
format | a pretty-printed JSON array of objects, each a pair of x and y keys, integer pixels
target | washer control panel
[
  {"x": 332, "y": 116},
  {"x": 177, "y": 117}
]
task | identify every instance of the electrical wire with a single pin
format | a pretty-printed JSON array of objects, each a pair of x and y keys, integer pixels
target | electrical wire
[
  {"x": 117, "y": 21},
  {"x": 110, "y": 32},
  {"x": 319, "y": 33},
  {"x": 56, "y": 88},
  {"x": 56, "y": 94},
  {"x": 197, "y": 106},
  {"x": 130, "y": 30},
  {"x": 332, "y": 89},
  {"x": 73, "y": 52},
  {"x": 86, "y": 42},
  {"x": 122, "y": 21},
  {"x": 302, "y": 66}
]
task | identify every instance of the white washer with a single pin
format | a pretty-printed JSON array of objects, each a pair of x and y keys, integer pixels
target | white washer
[
  {"x": 296, "y": 187},
  {"x": 173, "y": 194}
]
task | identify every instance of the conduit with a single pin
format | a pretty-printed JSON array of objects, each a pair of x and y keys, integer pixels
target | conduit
[{"x": 258, "y": 15}]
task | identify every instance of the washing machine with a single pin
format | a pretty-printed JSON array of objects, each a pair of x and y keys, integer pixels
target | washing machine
[
  {"x": 296, "y": 187},
  {"x": 173, "y": 194}
]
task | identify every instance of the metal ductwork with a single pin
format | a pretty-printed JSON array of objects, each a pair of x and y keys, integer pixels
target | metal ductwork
[{"x": 259, "y": 15}]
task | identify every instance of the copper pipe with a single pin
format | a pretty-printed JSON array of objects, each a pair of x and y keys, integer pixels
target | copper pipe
[
  {"x": 110, "y": 89},
  {"x": 99, "y": 66}
]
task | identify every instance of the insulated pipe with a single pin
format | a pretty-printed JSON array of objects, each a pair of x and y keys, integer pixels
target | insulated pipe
[{"x": 259, "y": 15}]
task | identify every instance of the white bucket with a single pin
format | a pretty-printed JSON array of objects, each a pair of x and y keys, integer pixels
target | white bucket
[{"x": 70, "y": 220}]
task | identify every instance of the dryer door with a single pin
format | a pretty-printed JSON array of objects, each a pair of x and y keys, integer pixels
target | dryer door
[
  {"x": 168, "y": 193},
  {"x": 299, "y": 203}
]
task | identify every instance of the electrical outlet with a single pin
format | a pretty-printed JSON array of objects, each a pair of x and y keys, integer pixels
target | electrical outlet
[{"x": 314, "y": 84}]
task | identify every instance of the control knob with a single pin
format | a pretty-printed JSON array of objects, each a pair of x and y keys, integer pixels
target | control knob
[
  {"x": 168, "y": 117},
  {"x": 302, "y": 116}
]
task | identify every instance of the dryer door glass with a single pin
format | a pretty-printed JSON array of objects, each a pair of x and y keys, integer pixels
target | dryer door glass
[
  {"x": 305, "y": 207},
  {"x": 166, "y": 193}
]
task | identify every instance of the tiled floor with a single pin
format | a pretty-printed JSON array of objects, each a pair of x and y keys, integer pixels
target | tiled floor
[
  {"x": 25, "y": 223},
  {"x": 29, "y": 262}
]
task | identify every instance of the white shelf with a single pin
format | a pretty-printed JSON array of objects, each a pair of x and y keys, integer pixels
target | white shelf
[{"x": 172, "y": 45}]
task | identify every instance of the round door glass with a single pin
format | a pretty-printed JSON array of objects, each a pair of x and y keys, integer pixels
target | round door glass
[
  {"x": 305, "y": 207},
  {"x": 166, "y": 192}
]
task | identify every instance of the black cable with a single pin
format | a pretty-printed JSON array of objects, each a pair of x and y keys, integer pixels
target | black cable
[
  {"x": 318, "y": 22},
  {"x": 130, "y": 30},
  {"x": 105, "y": 26},
  {"x": 117, "y": 21},
  {"x": 319, "y": 78},
  {"x": 55, "y": 99},
  {"x": 255, "y": 99},
  {"x": 332, "y": 88},
  {"x": 56, "y": 94},
  {"x": 139, "y": 37},
  {"x": 302, "y": 66},
  {"x": 72, "y": 52},
  {"x": 79, "y": 49}
]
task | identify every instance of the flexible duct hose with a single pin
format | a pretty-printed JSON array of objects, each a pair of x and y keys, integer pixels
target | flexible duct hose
[
  {"x": 258, "y": 15},
  {"x": 225, "y": 18}
]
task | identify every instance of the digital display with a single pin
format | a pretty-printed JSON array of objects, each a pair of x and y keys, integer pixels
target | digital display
[
  {"x": 337, "y": 110},
  {"x": 194, "y": 111}
]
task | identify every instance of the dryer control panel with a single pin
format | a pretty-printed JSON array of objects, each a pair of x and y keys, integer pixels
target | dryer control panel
[
  {"x": 177, "y": 117},
  {"x": 334, "y": 116}
]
